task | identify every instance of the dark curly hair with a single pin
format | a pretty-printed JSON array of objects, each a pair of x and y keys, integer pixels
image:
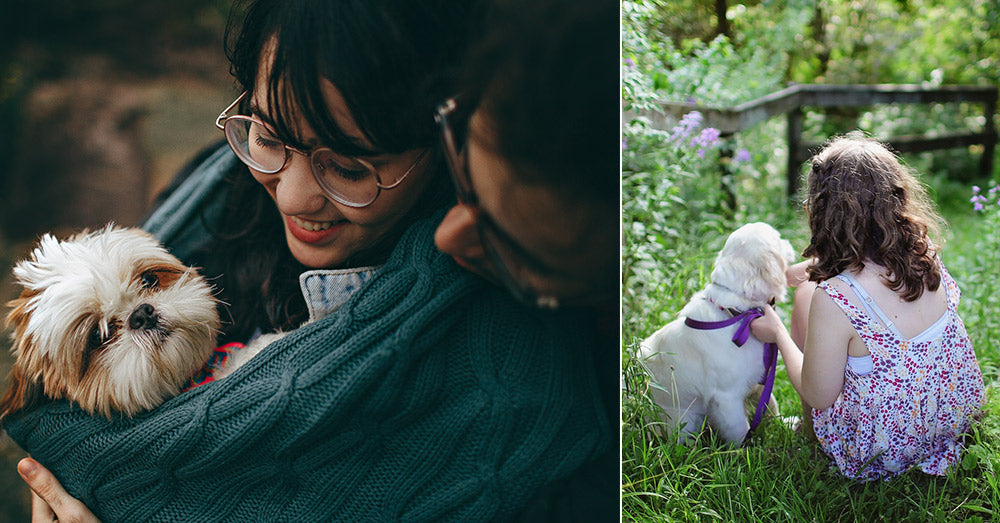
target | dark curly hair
[{"x": 865, "y": 205}]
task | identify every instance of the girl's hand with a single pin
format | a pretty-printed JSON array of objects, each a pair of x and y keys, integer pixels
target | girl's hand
[
  {"x": 795, "y": 275},
  {"x": 49, "y": 501},
  {"x": 768, "y": 328}
]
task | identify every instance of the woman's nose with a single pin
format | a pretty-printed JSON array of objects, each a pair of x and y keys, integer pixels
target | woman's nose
[
  {"x": 297, "y": 192},
  {"x": 457, "y": 234}
]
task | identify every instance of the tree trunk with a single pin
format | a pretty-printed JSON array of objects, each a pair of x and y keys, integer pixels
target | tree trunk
[{"x": 722, "y": 23}]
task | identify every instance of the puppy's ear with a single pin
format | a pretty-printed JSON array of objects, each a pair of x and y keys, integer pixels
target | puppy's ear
[
  {"x": 773, "y": 281},
  {"x": 23, "y": 393},
  {"x": 18, "y": 315}
]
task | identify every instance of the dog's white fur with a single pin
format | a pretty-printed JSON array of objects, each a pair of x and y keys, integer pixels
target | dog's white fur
[
  {"x": 702, "y": 374},
  {"x": 109, "y": 320}
]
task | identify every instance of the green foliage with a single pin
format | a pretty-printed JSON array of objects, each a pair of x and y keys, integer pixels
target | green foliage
[
  {"x": 679, "y": 205},
  {"x": 886, "y": 41},
  {"x": 978, "y": 240}
]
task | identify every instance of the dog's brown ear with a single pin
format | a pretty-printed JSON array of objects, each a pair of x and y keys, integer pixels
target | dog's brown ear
[
  {"x": 23, "y": 393},
  {"x": 18, "y": 315}
]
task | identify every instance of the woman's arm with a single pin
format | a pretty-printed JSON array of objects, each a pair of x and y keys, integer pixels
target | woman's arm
[{"x": 430, "y": 392}]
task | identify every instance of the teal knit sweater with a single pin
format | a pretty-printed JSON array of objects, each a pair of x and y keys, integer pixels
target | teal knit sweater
[{"x": 430, "y": 396}]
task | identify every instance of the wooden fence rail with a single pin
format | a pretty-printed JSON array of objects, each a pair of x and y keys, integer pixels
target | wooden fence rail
[{"x": 791, "y": 100}]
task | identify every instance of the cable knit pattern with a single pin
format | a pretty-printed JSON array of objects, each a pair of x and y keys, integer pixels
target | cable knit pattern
[{"x": 430, "y": 396}]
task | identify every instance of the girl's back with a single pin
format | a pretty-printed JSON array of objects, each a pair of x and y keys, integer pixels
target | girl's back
[
  {"x": 910, "y": 319},
  {"x": 911, "y": 384}
]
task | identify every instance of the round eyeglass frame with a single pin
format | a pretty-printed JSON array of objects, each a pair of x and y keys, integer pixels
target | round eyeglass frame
[
  {"x": 489, "y": 233},
  {"x": 222, "y": 123}
]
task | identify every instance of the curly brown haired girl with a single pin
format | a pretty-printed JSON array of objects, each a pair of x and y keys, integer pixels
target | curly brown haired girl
[
  {"x": 888, "y": 374},
  {"x": 864, "y": 204}
]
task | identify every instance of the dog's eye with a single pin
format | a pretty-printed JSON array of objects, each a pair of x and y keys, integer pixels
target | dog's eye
[
  {"x": 149, "y": 280},
  {"x": 94, "y": 338},
  {"x": 95, "y": 342}
]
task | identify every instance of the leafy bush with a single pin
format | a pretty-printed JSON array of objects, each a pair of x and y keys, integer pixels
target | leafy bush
[{"x": 684, "y": 188}]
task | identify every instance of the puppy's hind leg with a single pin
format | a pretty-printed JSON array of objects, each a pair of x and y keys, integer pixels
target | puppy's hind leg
[
  {"x": 691, "y": 420},
  {"x": 726, "y": 414},
  {"x": 682, "y": 419}
]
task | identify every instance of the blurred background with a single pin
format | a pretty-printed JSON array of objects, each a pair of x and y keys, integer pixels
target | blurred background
[{"x": 101, "y": 103}]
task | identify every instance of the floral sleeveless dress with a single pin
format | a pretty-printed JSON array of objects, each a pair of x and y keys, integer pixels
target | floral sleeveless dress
[{"x": 910, "y": 405}]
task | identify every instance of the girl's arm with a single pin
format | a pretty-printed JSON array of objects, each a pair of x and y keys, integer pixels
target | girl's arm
[
  {"x": 818, "y": 374},
  {"x": 770, "y": 329},
  {"x": 796, "y": 274},
  {"x": 827, "y": 338}
]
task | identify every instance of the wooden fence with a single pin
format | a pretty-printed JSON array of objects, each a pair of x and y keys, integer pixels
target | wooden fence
[{"x": 791, "y": 100}]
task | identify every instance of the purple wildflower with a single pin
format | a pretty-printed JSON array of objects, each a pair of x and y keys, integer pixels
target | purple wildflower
[
  {"x": 741, "y": 156},
  {"x": 629, "y": 62},
  {"x": 709, "y": 137},
  {"x": 978, "y": 199},
  {"x": 683, "y": 129}
]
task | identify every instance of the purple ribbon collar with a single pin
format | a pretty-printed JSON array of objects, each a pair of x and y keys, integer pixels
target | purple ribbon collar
[{"x": 740, "y": 337}]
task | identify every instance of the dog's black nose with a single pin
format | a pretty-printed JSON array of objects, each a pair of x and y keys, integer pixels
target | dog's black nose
[{"x": 143, "y": 317}]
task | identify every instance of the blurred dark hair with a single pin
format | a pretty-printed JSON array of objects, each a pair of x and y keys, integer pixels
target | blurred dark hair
[
  {"x": 864, "y": 204},
  {"x": 545, "y": 76},
  {"x": 392, "y": 60}
]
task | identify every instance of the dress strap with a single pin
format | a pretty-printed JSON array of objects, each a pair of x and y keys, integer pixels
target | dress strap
[
  {"x": 867, "y": 302},
  {"x": 952, "y": 292}
]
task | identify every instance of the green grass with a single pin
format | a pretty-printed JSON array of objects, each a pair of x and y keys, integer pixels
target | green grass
[{"x": 781, "y": 475}]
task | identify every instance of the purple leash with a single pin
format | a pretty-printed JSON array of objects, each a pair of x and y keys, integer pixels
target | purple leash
[{"x": 739, "y": 338}]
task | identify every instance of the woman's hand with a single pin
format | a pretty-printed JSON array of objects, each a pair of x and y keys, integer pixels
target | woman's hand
[{"x": 49, "y": 501}]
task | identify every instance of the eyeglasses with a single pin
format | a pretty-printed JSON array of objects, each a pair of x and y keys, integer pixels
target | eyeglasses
[
  {"x": 350, "y": 181},
  {"x": 506, "y": 255}
]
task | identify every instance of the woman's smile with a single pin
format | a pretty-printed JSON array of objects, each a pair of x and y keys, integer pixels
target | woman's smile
[{"x": 307, "y": 231}]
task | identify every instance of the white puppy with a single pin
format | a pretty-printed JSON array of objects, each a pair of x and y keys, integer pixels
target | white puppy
[
  {"x": 114, "y": 323},
  {"x": 109, "y": 320},
  {"x": 699, "y": 374}
]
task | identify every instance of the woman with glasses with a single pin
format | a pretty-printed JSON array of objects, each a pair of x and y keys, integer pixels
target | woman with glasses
[{"x": 415, "y": 391}]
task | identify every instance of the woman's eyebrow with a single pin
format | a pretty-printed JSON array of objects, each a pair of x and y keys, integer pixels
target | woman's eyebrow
[{"x": 356, "y": 141}]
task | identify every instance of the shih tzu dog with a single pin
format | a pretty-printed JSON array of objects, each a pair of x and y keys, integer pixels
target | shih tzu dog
[
  {"x": 699, "y": 372},
  {"x": 109, "y": 320}
]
